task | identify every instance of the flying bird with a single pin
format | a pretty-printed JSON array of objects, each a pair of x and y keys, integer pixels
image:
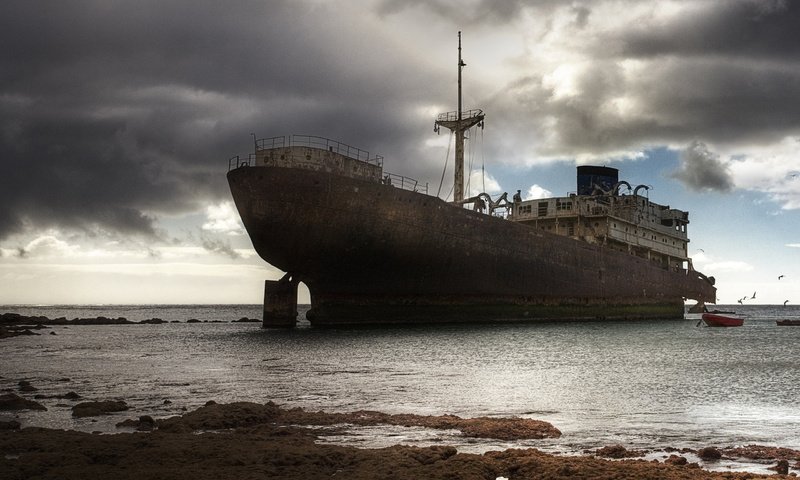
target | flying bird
[
  {"x": 740, "y": 300},
  {"x": 754, "y": 296},
  {"x": 780, "y": 276},
  {"x": 785, "y": 302}
]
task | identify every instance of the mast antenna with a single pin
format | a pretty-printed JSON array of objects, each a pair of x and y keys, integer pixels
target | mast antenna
[{"x": 459, "y": 122}]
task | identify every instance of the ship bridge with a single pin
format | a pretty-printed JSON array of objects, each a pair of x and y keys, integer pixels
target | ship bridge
[{"x": 630, "y": 223}]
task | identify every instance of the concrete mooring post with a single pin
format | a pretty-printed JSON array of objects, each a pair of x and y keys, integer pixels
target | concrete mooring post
[{"x": 280, "y": 303}]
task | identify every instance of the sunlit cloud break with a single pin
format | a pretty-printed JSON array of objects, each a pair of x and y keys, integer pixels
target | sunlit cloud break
[{"x": 223, "y": 218}]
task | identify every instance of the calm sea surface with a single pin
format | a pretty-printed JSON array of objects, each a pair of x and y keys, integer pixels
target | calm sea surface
[{"x": 648, "y": 384}]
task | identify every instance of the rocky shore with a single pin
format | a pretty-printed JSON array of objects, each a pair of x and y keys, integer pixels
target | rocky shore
[
  {"x": 252, "y": 440},
  {"x": 14, "y": 324}
]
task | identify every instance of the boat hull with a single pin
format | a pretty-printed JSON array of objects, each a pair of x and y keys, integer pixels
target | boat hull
[
  {"x": 788, "y": 323},
  {"x": 373, "y": 253},
  {"x": 715, "y": 320}
]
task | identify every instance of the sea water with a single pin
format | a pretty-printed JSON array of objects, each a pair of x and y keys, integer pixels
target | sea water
[{"x": 644, "y": 385}]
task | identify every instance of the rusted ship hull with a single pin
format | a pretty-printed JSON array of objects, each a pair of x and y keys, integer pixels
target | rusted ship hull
[{"x": 373, "y": 254}]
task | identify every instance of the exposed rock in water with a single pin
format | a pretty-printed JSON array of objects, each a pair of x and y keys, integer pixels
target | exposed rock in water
[
  {"x": 762, "y": 452},
  {"x": 66, "y": 396},
  {"x": 709, "y": 453},
  {"x": 676, "y": 460},
  {"x": 25, "y": 386},
  {"x": 15, "y": 331},
  {"x": 145, "y": 423},
  {"x": 245, "y": 320},
  {"x": 782, "y": 467},
  {"x": 101, "y": 321},
  {"x": 153, "y": 321},
  {"x": 12, "y": 401},
  {"x": 215, "y": 416},
  {"x": 17, "y": 319},
  {"x": 618, "y": 451}
]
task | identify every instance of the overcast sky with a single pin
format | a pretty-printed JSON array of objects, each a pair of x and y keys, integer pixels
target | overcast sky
[{"x": 117, "y": 120}]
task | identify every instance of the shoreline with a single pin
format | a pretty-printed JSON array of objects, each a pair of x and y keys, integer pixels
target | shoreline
[
  {"x": 245, "y": 439},
  {"x": 15, "y": 324}
]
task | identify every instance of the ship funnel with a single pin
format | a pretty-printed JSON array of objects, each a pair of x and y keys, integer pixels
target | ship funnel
[{"x": 591, "y": 177}]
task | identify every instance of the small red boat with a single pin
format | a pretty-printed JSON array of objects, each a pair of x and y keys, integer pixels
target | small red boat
[
  {"x": 784, "y": 323},
  {"x": 716, "y": 320}
]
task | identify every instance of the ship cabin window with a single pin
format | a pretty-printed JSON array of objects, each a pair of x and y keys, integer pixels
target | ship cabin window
[
  {"x": 524, "y": 209},
  {"x": 571, "y": 229},
  {"x": 563, "y": 205},
  {"x": 542, "y": 209}
]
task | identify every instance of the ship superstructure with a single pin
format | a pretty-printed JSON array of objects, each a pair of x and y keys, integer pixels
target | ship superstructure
[{"x": 614, "y": 214}]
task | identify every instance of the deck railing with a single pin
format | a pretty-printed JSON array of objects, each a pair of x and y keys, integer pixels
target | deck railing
[
  {"x": 321, "y": 143},
  {"x": 406, "y": 183},
  {"x": 400, "y": 181},
  {"x": 453, "y": 116},
  {"x": 237, "y": 161}
]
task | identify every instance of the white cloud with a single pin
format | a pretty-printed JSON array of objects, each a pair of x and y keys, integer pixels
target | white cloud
[
  {"x": 223, "y": 218},
  {"x": 773, "y": 169},
  {"x": 48, "y": 246},
  {"x": 479, "y": 179},
  {"x": 537, "y": 192}
]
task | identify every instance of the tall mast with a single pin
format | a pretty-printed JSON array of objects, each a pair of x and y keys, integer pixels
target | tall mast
[{"x": 459, "y": 122}]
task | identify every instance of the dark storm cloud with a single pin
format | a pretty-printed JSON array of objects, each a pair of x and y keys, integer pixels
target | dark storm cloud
[
  {"x": 701, "y": 169},
  {"x": 477, "y": 11},
  {"x": 750, "y": 28},
  {"x": 725, "y": 72},
  {"x": 216, "y": 245},
  {"x": 113, "y": 113}
]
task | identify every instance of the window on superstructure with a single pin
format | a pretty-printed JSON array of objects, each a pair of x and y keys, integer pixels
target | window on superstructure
[
  {"x": 563, "y": 205},
  {"x": 542, "y": 209}
]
